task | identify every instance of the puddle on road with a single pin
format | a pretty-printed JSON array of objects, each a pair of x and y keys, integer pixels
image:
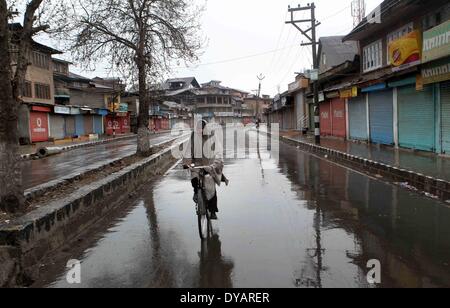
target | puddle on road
[{"x": 296, "y": 222}]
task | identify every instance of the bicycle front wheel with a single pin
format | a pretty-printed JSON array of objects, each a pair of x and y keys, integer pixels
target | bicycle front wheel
[{"x": 204, "y": 224}]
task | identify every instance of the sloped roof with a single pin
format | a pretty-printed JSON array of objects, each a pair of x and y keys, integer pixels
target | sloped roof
[
  {"x": 78, "y": 77},
  {"x": 337, "y": 51},
  {"x": 186, "y": 80},
  {"x": 391, "y": 12},
  {"x": 16, "y": 27}
]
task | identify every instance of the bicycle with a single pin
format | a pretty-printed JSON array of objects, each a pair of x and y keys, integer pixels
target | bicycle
[{"x": 203, "y": 213}]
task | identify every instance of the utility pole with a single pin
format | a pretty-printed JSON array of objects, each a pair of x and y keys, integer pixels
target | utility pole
[
  {"x": 311, "y": 37},
  {"x": 261, "y": 77}
]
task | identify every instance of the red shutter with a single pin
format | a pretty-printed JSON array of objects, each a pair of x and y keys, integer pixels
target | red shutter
[
  {"x": 325, "y": 119},
  {"x": 39, "y": 126},
  {"x": 339, "y": 118}
]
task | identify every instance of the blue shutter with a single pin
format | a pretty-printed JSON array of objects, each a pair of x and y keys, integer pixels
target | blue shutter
[
  {"x": 381, "y": 117},
  {"x": 79, "y": 125},
  {"x": 98, "y": 125},
  {"x": 416, "y": 118},
  {"x": 357, "y": 113},
  {"x": 445, "y": 117}
]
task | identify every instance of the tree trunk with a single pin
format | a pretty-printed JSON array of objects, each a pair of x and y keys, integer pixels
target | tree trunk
[
  {"x": 143, "y": 143},
  {"x": 11, "y": 190}
]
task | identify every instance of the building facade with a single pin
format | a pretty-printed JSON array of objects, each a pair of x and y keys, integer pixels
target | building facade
[
  {"x": 403, "y": 82},
  {"x": 37, "y": 99}
]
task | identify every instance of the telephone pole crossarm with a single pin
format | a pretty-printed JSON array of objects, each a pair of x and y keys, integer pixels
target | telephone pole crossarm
[{"x": 312, "y": 41}]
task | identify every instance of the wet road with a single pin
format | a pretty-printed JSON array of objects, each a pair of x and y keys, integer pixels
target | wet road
[
  {"x": 36, "y": 172},
  {"x": 299, "y": 221}
]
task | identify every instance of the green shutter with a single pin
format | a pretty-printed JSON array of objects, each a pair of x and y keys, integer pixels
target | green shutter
[
  {"x": 416, "y": 118},
  {"x": 445, "y": 117}
]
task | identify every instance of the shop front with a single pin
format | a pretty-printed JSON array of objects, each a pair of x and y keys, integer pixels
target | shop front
[
  {"x": 325, "y": 118},
  {"x": 39, "y": 123},
  {"x": 339, "y": 124},
  {"x": 333, "y": 116},
  {"x": 58, "y": 122},
  {"x": 416, "y": 118},
  {"x": 445, "y": 116},
  {"x": 436, "y": 73},
  {"x": 57, "y": 127},
  {"x": 357, "y": 114},
  {"x": 381, "y": 114},
  {"x": 98, "y": 119},
  {"x": 120, "y": 124}
]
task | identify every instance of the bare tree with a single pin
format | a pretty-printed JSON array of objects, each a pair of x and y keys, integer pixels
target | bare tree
[
  {"x": 11, "y": 194},
  {"x": 12, "y": 78},
  {"x": 139, "y": 38}
]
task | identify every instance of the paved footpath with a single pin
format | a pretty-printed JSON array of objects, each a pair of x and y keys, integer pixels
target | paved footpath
[
  {"x": 426, "y": 163},
  {"x": 37, "y": 172}
]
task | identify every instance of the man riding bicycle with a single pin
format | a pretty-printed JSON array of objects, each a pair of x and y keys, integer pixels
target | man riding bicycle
[{"x": 211, "y": 164}]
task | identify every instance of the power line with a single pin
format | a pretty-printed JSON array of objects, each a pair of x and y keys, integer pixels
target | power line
[
  {"x": 236, "y": 59},
  {"x": 278, "y": 43}
]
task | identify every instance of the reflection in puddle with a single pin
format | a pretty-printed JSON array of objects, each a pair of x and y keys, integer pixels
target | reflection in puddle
[{"x": 297, "y": 222}]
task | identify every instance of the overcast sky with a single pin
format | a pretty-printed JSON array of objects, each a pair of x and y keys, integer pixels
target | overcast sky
[{"x": 243, "y": 34}]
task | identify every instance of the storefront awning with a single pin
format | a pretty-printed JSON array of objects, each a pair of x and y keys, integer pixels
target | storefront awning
[
  {"x": 376, "y": 87},
  {"x": 41, "y": 109}
]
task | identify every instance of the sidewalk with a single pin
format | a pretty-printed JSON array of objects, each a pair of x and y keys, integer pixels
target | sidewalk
[
  {"x": 429, "y": 164},
  {"x": 31, "y": 149}
]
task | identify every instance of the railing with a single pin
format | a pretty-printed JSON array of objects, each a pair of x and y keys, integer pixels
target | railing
[{"x": 303, "y": 122}]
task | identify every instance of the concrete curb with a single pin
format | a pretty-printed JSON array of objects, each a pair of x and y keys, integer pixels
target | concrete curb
[
  {"x": 84, "y": 144},
  {"x": 42, "y": 189},
  {"x": 432, "y": 187},
  {"x": 36, "y": 234}
]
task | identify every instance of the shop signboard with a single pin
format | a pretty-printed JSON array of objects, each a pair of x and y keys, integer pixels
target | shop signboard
[
  {"x": 405, "y": 52},
  {"x": 436, "y": 42},
  {"x": 62, "y": 110},
  {"x": 437, "y": 71}
]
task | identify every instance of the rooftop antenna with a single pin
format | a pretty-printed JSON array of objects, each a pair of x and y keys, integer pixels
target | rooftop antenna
[{"x": 358, "y": 11}]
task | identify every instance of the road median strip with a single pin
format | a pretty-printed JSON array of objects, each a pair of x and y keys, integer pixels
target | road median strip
[{"x": 40, "y": 190}]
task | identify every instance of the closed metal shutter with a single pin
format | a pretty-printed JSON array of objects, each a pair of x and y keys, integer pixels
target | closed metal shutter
[
  {"x": 300, "y": 111},
  {"x": 325, "y": 119},
  {"x": 416, "y": 118},
  {"x": 445, "y": 117},
  {"x": 39, "y": 126},
  {"x": 357, "y": 113},
  {"x": 79, "y": 125},
  {"x": 381, "y": 117},
  {"x": 98, "y": 125},
  {"x": 70, "y": 126},
  {"x": 57, "y": 126},
  {"x": 339, "y": 128},
  {"x": 88, "y": 124}
]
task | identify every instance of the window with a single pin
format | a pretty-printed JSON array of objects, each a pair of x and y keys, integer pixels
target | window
[
  {"x": 40, "y": 60},
  {"x": 324, "y": 59},
  {"x": 26, "y": 92},
  {"x": 42, "y": 91},
  {"x": 373, "y": 56},
  {"x": 60, "y": 68},
  {"x": 436, "y": 18},
  {"x": 393, "y": 36}
]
